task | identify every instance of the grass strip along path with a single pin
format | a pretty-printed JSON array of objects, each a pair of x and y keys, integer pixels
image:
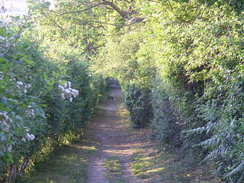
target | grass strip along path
[{"x": 113, "y": 152}]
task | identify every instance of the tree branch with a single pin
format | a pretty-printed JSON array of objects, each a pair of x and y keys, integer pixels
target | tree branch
[
  {"x": 124, "y": 14},
  {"x": 85, "y": 9},
  {"x": 82, "y": 22}
]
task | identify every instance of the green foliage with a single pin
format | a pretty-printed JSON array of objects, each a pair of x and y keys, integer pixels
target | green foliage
[
  {"x": 37, "y": 111},
  {"x": 138, "y": 102},
  {"x": 224, "y": 121},
  {"x": 165, "y": 124},
  {"x": 181, "y": 68},
  {"x": 188, "y": 56},
  {"x": 128, "y": 64}
]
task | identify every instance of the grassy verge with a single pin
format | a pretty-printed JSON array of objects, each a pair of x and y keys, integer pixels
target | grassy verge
[
  {"x": 68, "y": 164},
  {"x": 166, "y": 167}
]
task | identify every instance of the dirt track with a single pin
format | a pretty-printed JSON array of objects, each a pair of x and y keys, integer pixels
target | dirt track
[
  {"x": 113, "y": 152},
  {"x": 115, "y": 141}
]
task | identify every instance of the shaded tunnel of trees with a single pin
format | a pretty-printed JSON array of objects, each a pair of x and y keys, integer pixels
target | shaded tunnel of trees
[{"x": 179, "y": 64}]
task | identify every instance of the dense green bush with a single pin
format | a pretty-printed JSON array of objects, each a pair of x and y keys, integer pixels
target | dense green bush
[
  {"x": 201, "y": 71},
  {"x": 138, "y": 102},
  {"x": 222, "y": 108},
  {"x": 42, "y": 103},
  {"x": 166, "y": 124}
]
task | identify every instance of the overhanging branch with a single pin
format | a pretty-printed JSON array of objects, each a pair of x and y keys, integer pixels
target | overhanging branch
[
  {"x": 127, "y": 15},
  {"x": 85, "y": 9}
]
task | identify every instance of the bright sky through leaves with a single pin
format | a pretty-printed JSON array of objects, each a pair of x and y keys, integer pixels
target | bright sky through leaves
[{"x": 15, "y": 7}]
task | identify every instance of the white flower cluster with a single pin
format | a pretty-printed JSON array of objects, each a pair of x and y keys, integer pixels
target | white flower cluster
[
  {"x": 23, "y": 86},
  {"x": 68, "y": 92},
  {"x": 30, "y": 112},
  {"x": 28, "y": 136},
  {"x": 5, "y": 121}
]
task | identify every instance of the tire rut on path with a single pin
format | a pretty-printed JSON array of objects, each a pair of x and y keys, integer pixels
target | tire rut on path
[{"x": 115, "y": 140}]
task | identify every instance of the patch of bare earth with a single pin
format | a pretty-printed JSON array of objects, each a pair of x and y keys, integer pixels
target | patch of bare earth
[{"x": 116, "y": 143}]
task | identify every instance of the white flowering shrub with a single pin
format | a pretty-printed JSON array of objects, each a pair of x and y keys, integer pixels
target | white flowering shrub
[
  {"x": 67, "y": 92},
  {"x": 36, "y": 108}
]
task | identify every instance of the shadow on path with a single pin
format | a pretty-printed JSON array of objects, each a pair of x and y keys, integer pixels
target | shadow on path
[{"x": 117, "y": 144}]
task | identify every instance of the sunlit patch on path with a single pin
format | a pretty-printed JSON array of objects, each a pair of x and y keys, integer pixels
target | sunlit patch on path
[{"x": 111, "y": 163}]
